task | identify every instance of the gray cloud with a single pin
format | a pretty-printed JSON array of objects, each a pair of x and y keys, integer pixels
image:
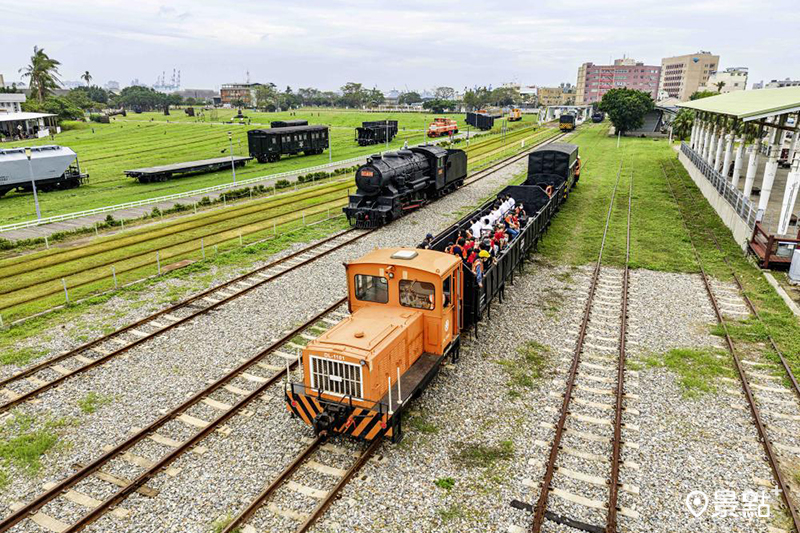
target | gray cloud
[{"x": 419, "y": 44}]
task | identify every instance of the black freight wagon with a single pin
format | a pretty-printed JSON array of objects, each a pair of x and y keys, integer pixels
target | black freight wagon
[
  {"x": 287, "y": 123},
  {"x": 552, "y": 163},
  {"x": 270, "y": 145},
  {"x": 376, "y": 132},
  {"x": 539, "y": 208},
  {"x": 480, "y": 120}
]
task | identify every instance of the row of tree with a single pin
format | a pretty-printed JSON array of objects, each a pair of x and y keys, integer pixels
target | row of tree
[{"x": 43, "y": 79}]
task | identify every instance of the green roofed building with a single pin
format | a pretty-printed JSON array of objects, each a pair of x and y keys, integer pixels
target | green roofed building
[{"x": 752, "y": 134}]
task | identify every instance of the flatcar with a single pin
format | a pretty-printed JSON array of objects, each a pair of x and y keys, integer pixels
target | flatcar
[
  {"x": 391, "y": 184},
  {"x": 287, "y": 123},
  {"x": 442, "y": 126},
  {"x": 408, "y": 311},
  {"x": 52, "y": 167},
  {"x": 376, "y": 132},
  {"x": 566, "y": 122},
  {"x": 269, "y": 145}
]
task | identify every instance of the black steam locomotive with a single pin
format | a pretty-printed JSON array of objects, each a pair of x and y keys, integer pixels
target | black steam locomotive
[
  {"x": 391, "y": 184},
  {"x": 376, "y": 132}
]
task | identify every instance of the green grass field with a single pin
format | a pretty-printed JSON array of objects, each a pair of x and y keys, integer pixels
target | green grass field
[
  {"x": 659, "y": 240},
  {"x": 33, "y": 282},
  {"x": 149, "y": 139}
]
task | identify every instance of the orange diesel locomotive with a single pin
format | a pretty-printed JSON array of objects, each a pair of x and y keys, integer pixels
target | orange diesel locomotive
[
  {"x": 442, "y": 126},
  {"x": 406, "y": 316}
]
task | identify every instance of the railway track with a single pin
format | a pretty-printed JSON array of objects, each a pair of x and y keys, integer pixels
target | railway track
[
  {"x": 575, "y": 472},
  {"x": 252, "y": 380},
  {"x": 93, "y": 263},
  {"x": 248, "y": 382},
  {"x": 775, "y": 409},
  {"x": 333, "y": 479},
  {"x": 36, "y": 379}
]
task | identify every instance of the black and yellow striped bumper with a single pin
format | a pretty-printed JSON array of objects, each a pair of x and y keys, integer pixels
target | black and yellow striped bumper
[{"x": 363, "y": 424}]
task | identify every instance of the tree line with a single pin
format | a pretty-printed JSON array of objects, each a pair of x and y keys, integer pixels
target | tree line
[{"x": 43, "y": 80}]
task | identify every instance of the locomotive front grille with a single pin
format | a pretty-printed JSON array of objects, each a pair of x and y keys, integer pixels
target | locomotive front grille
[{"x": 336, "y": 377}]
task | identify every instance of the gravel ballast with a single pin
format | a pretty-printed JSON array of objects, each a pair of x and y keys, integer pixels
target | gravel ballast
[{"x": 476, "y": 426}]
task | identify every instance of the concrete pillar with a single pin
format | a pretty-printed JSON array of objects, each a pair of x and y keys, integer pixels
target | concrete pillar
[
  {"x": 712, "y": 145},
  {"x": 693, "y": 138},
  {"x": 719, "y": 149},
  {"x": 701, "y": 133},
  {"x": 707, "y": 141},
  {"x": 726, "y": 162},
  {"x": 752, "y": 166},
  {"x": 789, "y": 197},
  {"x": 794, "y": 145},
  {"x": 771, "y": 169},
  {"x": 737, "y": 163}
]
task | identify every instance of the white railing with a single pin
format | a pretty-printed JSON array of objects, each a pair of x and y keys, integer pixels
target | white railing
[
  {"x": 176, "y": 196},
  {"x": 743, "y": 206}
]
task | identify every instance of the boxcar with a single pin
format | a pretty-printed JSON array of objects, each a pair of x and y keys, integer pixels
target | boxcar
[
  {"x": 376, "y": 132},
  {"x": 270, "y": 145},
  {"x": 480, "y": 120},
  {"x": 552, "y": 163}
]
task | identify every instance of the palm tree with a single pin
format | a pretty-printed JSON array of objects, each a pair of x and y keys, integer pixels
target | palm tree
[
  {"x": 86, "y": 77},
  {"x": 682, "y": 124},
  {"x": 720, "y": 85},
  {"x": 43, "y": 74}
]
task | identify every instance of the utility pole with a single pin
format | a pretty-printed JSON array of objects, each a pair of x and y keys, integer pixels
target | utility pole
[
  {"x": 233, "y": 166},
  {"x": 28, "y": 154}
]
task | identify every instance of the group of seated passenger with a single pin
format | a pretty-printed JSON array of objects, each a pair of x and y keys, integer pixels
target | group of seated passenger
[{"x": 488, "y": 236}]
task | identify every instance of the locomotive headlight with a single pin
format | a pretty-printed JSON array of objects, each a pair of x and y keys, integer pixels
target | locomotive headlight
[{"x": 363, "y": 363}]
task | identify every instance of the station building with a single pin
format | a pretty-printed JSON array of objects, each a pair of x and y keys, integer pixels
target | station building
[{"x": 744, "y": 156}]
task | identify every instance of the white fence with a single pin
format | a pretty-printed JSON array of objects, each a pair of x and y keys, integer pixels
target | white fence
[
  {"x": 176, "y": 196},
  {"x": 743, "y": 206}
]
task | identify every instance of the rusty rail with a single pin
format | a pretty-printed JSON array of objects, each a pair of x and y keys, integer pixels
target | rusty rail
[
  {"x": 184, "y": 303},
  {"x": 762, "y": 432},
  {"x": 247, "y": 513},
  {"x": 541, "y": 505},
  {"x": 750, "y": 304},
  {"x": 616, "y": 444},
  {"x": 165, "y": 461}
]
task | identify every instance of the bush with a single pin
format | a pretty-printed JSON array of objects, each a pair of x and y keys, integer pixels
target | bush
[
  {"x": 156, "y": 212},
  {"x": 95, "y": 117},
  {"x": 282, "y": 184},
  {"x": 205, "y": 200}
]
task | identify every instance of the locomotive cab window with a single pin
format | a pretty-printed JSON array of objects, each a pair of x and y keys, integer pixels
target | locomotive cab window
[
  {"x": 446, "y": 293},
  {"x": 372, "y": 288},
  {"x": 417, "y": 294}
]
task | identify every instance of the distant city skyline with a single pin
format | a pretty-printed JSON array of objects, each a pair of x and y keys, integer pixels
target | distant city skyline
[{"x": 413, "y": 45}]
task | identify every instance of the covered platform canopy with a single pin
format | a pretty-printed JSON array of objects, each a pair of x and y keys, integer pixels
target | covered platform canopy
[
  {"x": 26, "y": 125},
  {"x": 752, "y": 134},
  {"x": 750, "y": 105}
]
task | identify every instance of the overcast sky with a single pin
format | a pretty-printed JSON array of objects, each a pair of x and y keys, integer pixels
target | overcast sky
[{"x": 416, "y": 44}]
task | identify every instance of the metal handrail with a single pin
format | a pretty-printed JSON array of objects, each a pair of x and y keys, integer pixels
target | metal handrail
[
  {"x": 175, "y": 196},
  {"x": 742, "y": 205}
]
